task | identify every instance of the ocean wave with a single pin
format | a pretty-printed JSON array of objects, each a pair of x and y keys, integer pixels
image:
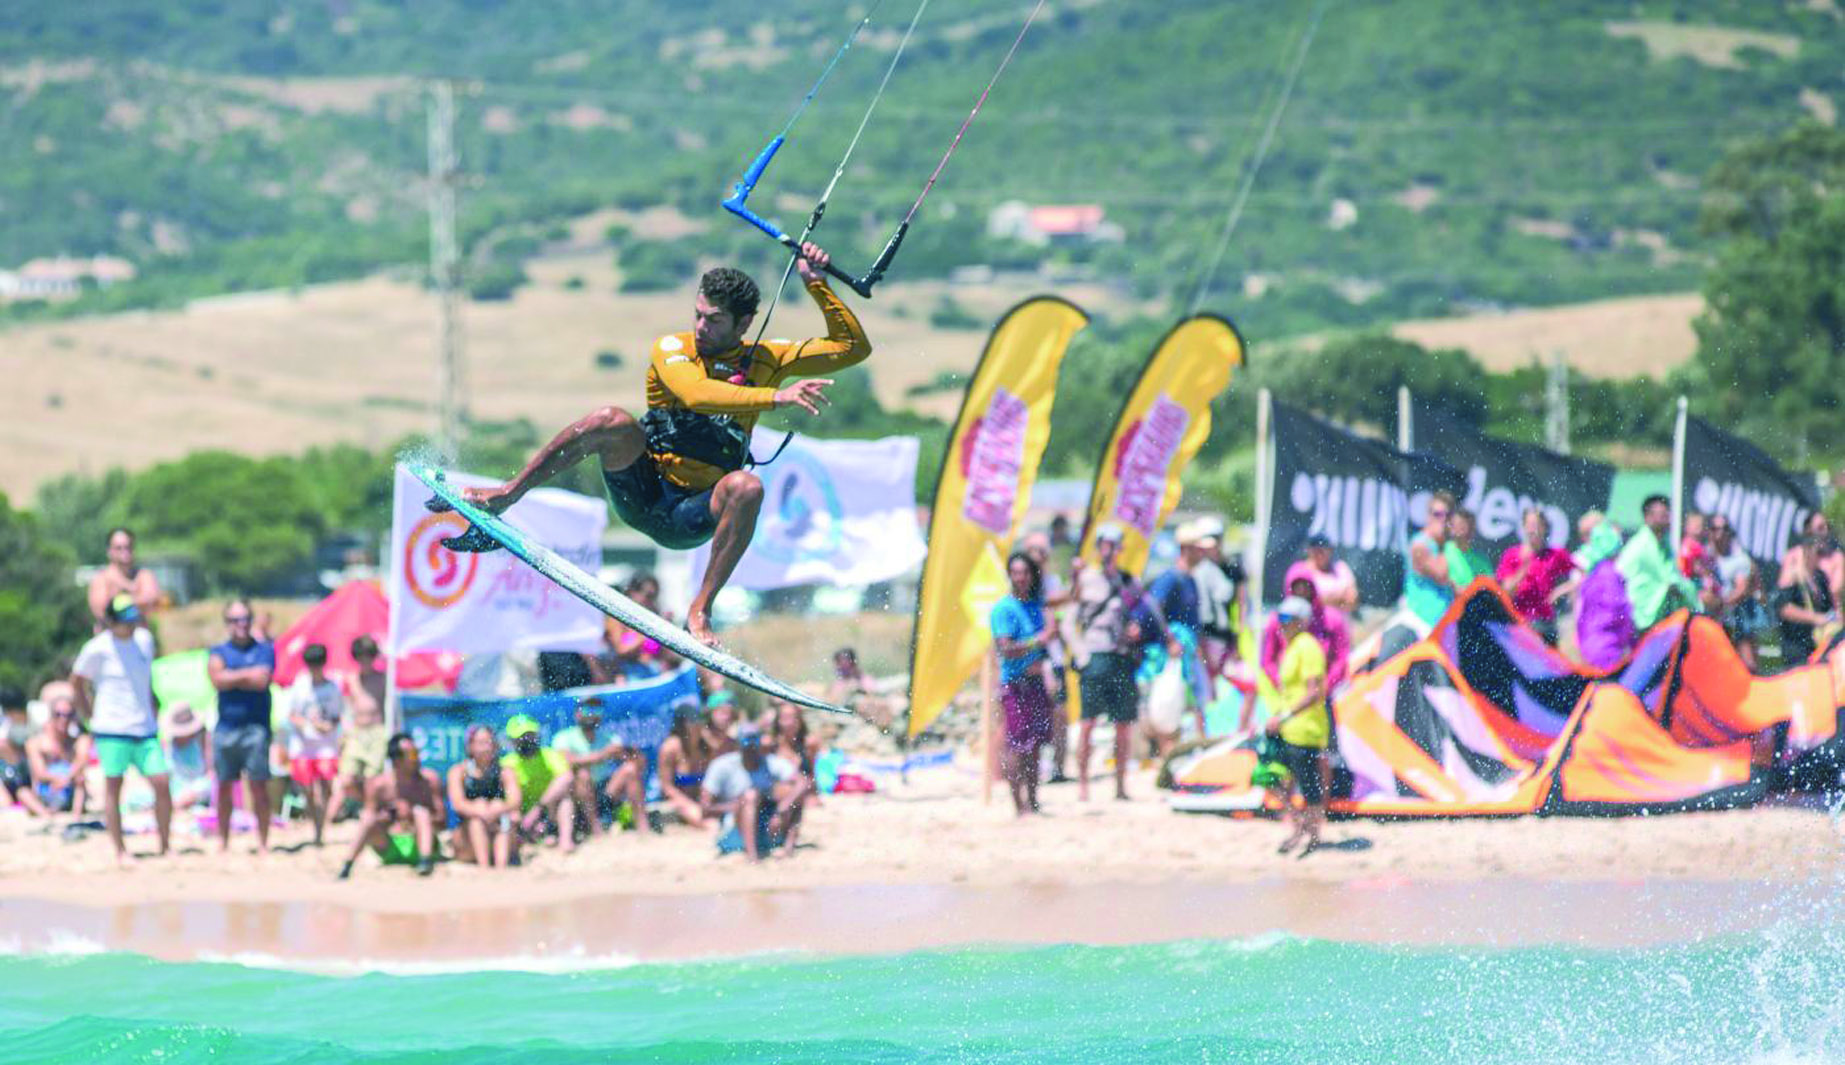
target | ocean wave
[{"x": 565, "y": 964}]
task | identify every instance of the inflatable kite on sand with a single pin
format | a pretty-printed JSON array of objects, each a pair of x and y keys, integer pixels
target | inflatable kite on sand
[{"x": 1482, "y": 718}]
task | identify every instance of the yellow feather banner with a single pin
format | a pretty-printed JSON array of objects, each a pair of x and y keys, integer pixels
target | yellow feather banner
[
  {"x": 1165, "y": 422},
  {"x": 987, "y": 474}
]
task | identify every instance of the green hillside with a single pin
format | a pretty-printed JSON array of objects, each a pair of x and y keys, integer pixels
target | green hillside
[{"x": 1490, "y": 155}]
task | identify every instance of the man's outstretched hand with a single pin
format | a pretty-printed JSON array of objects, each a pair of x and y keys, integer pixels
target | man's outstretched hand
[
  {"x": 812, "y": 263},
  {"x": 809, "y": 395}
]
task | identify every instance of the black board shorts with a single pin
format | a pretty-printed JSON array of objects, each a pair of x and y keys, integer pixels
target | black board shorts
[
  {"x": 1106, "y": 685},
  {"x": 671, "y": 515},
  {"x": 1304, "y": 763}
]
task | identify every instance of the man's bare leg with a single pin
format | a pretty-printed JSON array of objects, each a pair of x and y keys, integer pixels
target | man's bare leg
[
  {"x": 112, "y": 817},
  {"x": 609, "y": 433},
  {"x": 735, "y": 502},
  {"x": 226, "y": 807},
  {"x": 163, "y": 811},
  {"x": 258, "y": 796},
  {"x": 1084, "y": 741},
  {"x": 1124, "y": 741},
  {"x": 746, "y": 823},
  {"x": 585, "y": 792}
]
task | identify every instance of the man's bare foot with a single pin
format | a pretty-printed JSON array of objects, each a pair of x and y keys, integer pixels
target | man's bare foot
[
  {"x": 699, "y": 626},
  {"x": 123, "y": 860}
]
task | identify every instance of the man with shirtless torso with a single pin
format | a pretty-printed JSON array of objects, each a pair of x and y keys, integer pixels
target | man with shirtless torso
[
  {"x": 122, "y": 576},
  {"x": 403, "y": 806}
]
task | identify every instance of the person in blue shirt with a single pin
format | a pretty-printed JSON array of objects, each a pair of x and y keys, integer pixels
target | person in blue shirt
[
  {"x": 240, "y": 668},
  {"x": 1172, "y": 627},
  {"x": 1020, "y": 636}
]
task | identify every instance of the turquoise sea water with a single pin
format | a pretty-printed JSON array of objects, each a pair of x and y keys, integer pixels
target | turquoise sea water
[{"x": 1771, "y": 997}]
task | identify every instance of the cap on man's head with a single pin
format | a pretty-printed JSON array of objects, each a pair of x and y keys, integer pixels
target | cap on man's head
[
  {"x": 1294, "y": 608},
  {"x": 123, "y": 608},
  {"x": 1188, "y": 534},
  {"x": 521, "y": 726},
  {"x": 1319, "y": 540},
  {"x": 1210, "y": 526},
  {"x": 721, "y": 697},
  {"x": 1110, "y": 533},
  {"x": 749, "y": 734}
]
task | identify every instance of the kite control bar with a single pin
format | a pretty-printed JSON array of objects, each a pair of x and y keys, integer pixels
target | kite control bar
[{"x": 738, "y": 204}]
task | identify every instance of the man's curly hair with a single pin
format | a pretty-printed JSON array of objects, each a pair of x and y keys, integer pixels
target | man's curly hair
[{"x": 730, "y": 289}]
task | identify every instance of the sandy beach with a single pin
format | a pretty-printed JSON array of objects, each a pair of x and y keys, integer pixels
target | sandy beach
[{"x": 928, "y": 864}]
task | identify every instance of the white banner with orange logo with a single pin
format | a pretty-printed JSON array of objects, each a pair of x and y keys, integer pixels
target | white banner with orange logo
[{"x": 489, "y": 603}]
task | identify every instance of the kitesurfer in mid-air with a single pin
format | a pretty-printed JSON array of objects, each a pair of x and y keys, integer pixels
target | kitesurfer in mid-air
[{"x": 677, "y": 473}]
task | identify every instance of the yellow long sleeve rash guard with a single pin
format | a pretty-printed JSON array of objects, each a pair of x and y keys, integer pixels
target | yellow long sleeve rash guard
[{"x": 681, "y": 377}]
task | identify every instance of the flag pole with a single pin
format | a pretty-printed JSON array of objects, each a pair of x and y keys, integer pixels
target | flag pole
[
  {"x": 1265, "y": 490},
  {"x": 1678, "y": 476},
  {"x": 989, "y": 754},
  {"x": 393, "y": 606},
  {"x": 1406, "y": 427}
]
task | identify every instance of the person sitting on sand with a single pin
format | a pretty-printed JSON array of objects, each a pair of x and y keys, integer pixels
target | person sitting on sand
[
  {"x": 789, "y": 737},
  {"x": 361, "y": 751},
  {"x": 683, "y": 759},
  {"x": 859, "y": 692},
  {"x": 544, "y": 784},
  {"x": 760, "y": 797},
  {"x": 15, "y": 767},
  {"x": 402, "y": 808},
  {"x": 605, "y": 773},
  {"x": 485, "y": 795},
  {"x": 189, "y": 767},
  {"x": 1300, "y": 731},
  {"x": 56, "y": 756}
]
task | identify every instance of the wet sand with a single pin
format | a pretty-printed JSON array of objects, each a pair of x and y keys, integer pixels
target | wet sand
[{"x": 928, "y": 864}]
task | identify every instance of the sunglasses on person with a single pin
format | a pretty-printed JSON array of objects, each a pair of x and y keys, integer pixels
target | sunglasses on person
[
  {"x": 236, "y": 619},
  {"x": 1437, "y": 515}
]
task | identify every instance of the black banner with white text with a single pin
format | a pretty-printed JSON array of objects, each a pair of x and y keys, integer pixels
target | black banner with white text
[{"x": 1359, "y": 493}]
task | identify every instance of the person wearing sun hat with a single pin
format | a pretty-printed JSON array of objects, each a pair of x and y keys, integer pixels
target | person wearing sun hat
[
  {"x": 113, "y": 680},
  {"x": 187, "y": 744},
  {"x": 544, "y": 782}
]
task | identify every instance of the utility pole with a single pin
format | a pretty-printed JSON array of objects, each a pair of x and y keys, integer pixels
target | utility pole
[
  {"x": 1557, "y": 404},
  {"x": 445, "y": 268}
]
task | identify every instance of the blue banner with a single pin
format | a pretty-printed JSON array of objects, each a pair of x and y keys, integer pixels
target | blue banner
[{"x": 641, "y": 714}]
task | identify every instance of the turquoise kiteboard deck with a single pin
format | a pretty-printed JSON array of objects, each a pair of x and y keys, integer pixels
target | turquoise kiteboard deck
[{"x": 573, "y": 580}]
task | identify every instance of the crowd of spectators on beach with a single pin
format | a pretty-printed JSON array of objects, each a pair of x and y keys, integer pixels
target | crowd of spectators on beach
[
  {"x": 1143, "y": 661},
  {"x": 319, "y": 751},
  {"x": 1145, "y": 656}
]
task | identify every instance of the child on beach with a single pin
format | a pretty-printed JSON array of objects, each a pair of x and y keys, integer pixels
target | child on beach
[{"x": 316, "y": 704}]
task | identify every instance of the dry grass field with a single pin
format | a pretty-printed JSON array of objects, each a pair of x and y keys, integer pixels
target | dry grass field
[
  {"x": 1631, "y": 337},
  {"x": 277, "y": 372}
]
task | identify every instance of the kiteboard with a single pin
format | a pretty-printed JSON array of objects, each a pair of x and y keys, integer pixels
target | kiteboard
[{"x": 572, "y": 579}]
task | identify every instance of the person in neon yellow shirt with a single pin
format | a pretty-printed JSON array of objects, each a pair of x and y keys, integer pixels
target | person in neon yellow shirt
[
  {"x": 544, "y": 783},
  {"x": 1299, "y": 734}
]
